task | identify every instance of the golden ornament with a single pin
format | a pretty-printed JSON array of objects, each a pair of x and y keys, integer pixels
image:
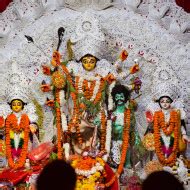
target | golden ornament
[{"x": 58, "y": 79}]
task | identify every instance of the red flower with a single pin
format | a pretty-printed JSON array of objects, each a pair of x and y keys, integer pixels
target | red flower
[
  {"x": 2, "y": 122},
  {"x": 45, "y": 87},
  {"x": 135, "y": 68},
  {"x": 149, "y": 116},
  {"x": 110, "y": 78},
  {"x": 46, "y": 70},
  {"x": 123, "y": 55},
  {"x": 50, "y": 103},
  {"x": 56, "y": 59}
]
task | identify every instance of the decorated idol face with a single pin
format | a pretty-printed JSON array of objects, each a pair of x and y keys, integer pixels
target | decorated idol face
[
  {"x": 120, "y": 99},
  {"x": 89, "y": 62},
  {"x": 120, "y": 95},
  {"x": 165, "y": 103},
  {"x": 17, "y": 105}
]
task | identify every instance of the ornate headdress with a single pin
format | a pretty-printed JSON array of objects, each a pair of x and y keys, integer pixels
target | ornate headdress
[
  {"x": 17, "y": 87},
  {"x": 165, "y": 83},
  {"x": 88, "y": 37}
]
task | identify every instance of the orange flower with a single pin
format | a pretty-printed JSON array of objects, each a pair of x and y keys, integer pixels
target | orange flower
[
  {"x": 110, "y": 78},
  {"x": 50, "y": 103},
  {"x": 168, "y": 129},
  {"x": 45, "y": 87},
  {"x": 58, "y": 79},
  {"x": 2, "y": 122},
  {"x": 88, "y": 91},
  {"x": 12, "y": 124},
  {"x": 135, "y": 68},
  {"x": 85, "y": 164},
  {"x": 58, "y": 125},
  {"x": 82, "y": 106},
  {"x": 46, "y": 70},
  {"x": 2, "y": 148},
  {"x": 123, "y": 55},
  {"x": 56, "y": 59},
  {"x": 103, "y": 130},
  {"x": 148, "y": 141},
  {"x": 127, "y": 117}
]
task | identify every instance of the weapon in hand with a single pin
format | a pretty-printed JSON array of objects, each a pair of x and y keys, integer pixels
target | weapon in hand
[
  {"x": 30, "y": 40},
  {"x": 60, "y": 31}
]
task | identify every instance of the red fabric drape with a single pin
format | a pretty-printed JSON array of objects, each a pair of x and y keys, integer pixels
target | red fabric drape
[
  {"x": 4, "y": 4},
  {"x": 185, "y": 4}
]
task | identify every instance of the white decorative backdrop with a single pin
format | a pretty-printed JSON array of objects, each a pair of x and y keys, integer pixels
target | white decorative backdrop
[{"x": 157, "y": 33}]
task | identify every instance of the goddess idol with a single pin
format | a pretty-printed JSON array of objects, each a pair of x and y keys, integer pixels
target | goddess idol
[
  {"x": 20, "y": 119},
  {"x": 81, "y": 87},
  {"x": 167, "y": 118}
]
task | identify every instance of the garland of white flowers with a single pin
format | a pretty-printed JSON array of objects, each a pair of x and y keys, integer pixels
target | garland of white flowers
[
  {"x": 109, "y": 123},
  {"x": 96, "y": 89},
  {"x": 93, "y": 170},
  {"x": 110, "y": 98},
  {"x": 108, "y": 139},
  {"x": 64, "y": 125}
]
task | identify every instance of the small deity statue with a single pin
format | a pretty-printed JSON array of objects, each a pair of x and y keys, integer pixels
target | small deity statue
[
  {"x": 20, "y": 120},
  {"x": 168, "y": 126},
  {"x": 121, "y": 97}
]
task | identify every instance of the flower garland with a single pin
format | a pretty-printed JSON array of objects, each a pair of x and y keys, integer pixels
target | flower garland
[
  {"x": 11, "y": 124},
  {"x": 108, "y": 138},
  {"x": 171, "y": 128},
  {"x": 103, "y": 130},
  {"x": 88, "y": 91},
  {"x": 126, "y": 128},
  {"x": 99, "y": 92},
  {"x": 153, "y": 166},
  {"x": 110, "y": 98},
  {"x": 148, "y": 142},
  {"x": 92, "y": 92},
  {"x": 76, "y": 112},
  {"x": 58, "y": 124},
  {"x": 75, "y": 118},
  {"x": 89, "y": 172}
]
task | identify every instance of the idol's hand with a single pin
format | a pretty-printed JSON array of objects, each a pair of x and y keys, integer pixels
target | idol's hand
[
  {"x": 45, "y": 87},
  {"x": 185, "y": 139},
  {"x": 56, "y": 59},
  {"x": 137, "y": 84},
  {"x": 134, "y": 69},
  {"x": 123, "y": 55},
  {"x": 33, "y": 128}
]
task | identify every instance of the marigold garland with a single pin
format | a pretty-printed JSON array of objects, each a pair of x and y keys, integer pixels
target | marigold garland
[
  {"x": 88, "y": 91},
  {"x": 99, "y": 93},
  {"x": 103, "y": 130},
  {"x": 126, "y": 128},
  {"x": 75, "y": 117},
  {"x": 172, "y": 127},
  {"x": 12, "y": 124},
  {"x": 58, "y": 124},
  {"x": 76, "y": 114}
]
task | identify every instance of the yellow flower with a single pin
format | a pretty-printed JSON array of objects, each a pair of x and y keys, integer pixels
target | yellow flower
[
  {"x": 73, "y": 164},
  {"x": 11, "y": 134},
  {"x": 22, "y": 135},
  {"x": 88, "y": 187}
]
